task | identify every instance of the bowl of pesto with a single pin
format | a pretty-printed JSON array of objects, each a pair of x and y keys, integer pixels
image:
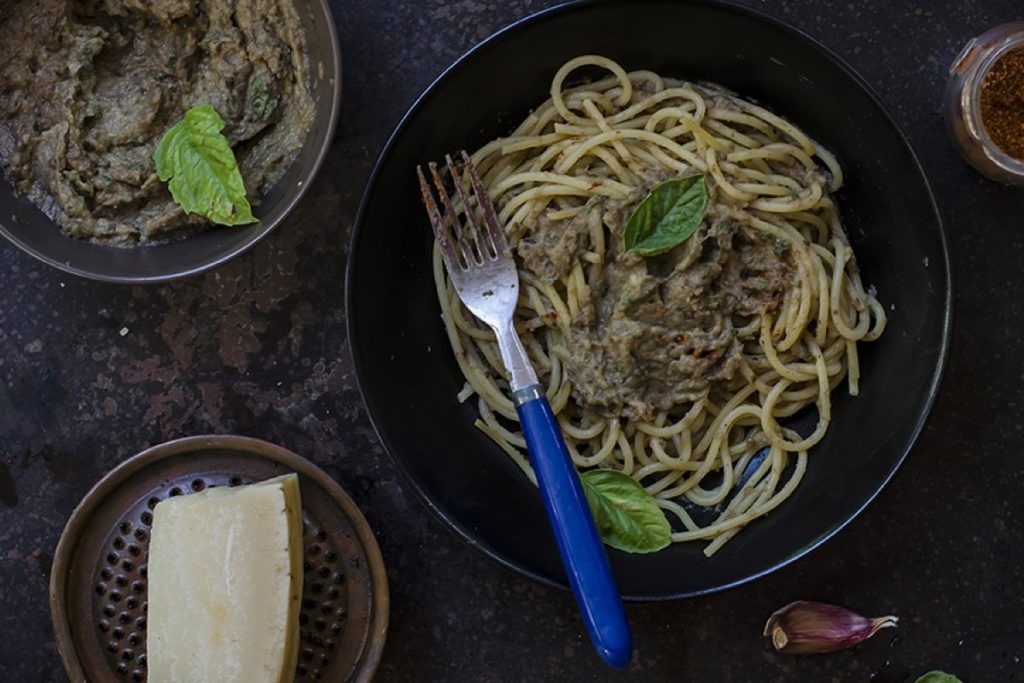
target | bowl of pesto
[{"x": 144, "y": 142}]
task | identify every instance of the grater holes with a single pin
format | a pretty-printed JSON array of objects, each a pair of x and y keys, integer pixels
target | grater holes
[
  {"x": 152, "y": 502},
  {"x": 235, "y": 481},
  {"x": 198, "y": 485},
  {"x": 121, "y": 588},
  {"x": 324, "y": 602},
  {"x": 176, "y": 491}
]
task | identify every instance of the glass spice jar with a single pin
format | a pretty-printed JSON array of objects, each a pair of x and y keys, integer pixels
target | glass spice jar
[{"x": 986, "y": 80}]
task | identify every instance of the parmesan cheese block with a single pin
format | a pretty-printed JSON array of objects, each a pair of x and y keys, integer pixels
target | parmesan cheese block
[{"x": 225, "y": 579}]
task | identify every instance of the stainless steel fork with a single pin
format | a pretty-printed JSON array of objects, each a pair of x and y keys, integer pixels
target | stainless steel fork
[{"x": 480, "y": 265}]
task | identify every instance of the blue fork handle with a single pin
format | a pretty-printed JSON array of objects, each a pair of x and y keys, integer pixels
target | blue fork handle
[{"x": 583, "y": 555}]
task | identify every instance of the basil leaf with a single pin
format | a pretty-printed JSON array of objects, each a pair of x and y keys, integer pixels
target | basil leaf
[
  {"x": 938, "y": 677},
  {"x": 625, "y": 514},
  {"x": 667, "y": 216},
  {"x": 204, "y": 177}
]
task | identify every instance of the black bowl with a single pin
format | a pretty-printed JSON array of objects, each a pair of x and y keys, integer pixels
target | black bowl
[
  {"x": 404, "y": 363},
  {"x": 29, "y": 229}
]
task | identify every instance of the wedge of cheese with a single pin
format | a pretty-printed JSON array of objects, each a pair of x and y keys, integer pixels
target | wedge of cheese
[{"x": 225, "y": 580}]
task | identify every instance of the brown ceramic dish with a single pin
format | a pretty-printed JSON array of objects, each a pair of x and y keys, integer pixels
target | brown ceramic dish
[
  {"x": 27, "y": 228},
  {"x": 98, "y": 582}
]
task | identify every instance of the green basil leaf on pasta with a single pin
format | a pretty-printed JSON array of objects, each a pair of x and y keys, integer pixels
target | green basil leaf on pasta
[
  {"x": 626, "y": 515},
  {"x": 667, "y": 216},
  {"x": 196, "y": 161},
  {"x": 938, "y": 677}
]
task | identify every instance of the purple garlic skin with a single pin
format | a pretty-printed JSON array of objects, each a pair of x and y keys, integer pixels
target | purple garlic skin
[{"x": 805, "y": 627}]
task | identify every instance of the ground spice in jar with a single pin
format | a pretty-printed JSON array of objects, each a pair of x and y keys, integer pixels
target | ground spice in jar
[{"x": 1002, "y": 103}]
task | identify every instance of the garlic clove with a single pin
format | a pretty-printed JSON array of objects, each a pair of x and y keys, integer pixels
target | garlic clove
[{"x": 805, "y": 627}]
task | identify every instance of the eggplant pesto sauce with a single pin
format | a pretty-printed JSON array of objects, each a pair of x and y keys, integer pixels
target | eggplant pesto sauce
[
  {"x": 658, "y": 331},
  {"x": 88, "y": 89}
]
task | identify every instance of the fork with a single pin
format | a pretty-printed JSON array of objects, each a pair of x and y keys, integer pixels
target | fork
[{"x": 481, "y": 268}]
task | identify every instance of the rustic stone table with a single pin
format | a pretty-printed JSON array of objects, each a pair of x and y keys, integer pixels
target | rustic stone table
[{"x": 92, "y": 373}]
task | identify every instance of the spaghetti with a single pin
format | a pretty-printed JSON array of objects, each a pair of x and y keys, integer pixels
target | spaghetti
[{"x": 716, "y": 455}]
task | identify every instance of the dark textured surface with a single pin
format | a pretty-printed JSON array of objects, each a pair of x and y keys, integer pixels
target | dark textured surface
[{"x": 93, "y": 373}]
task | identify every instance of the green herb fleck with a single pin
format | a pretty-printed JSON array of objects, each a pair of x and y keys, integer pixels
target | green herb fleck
[
  {"x": 760, "y": 284},
  {"x": 172, "y": 62},
  {"x": 626, "y": 515},
  {"x": 261, "y": 101},
  {"x": 196, "y": 161},
  {"x": 780, "y": 246},
  {"x": 596, "y": 200},
  {"x": 667, "y": 216}
]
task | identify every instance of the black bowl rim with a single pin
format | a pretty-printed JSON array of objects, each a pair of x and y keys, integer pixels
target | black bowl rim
[
  {"x": 266, "y": 229},
  {"x": 523, "y": 24}
]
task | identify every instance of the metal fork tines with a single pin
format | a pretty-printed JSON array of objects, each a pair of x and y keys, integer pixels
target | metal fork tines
[{"x": 477, "y": 258}]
